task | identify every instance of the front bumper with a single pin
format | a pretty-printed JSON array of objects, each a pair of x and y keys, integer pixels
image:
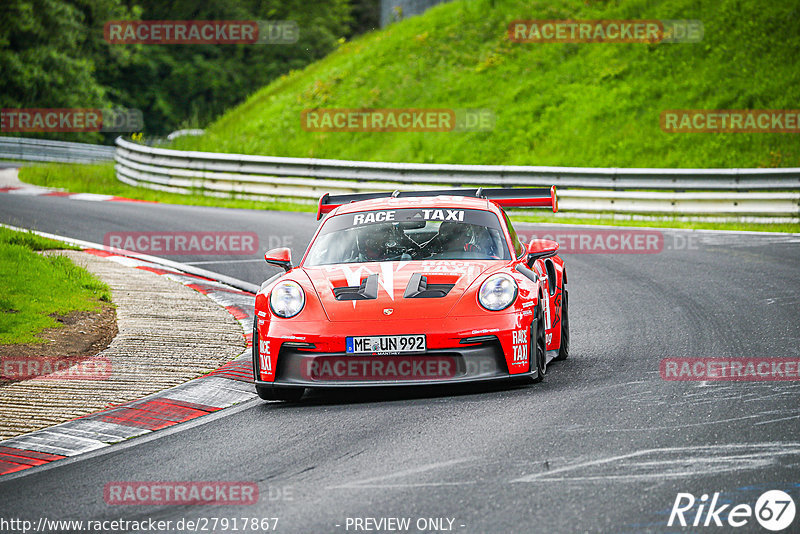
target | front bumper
[
  {"x": 483, "y": 347},
  {"x": 309, "y": 369}
]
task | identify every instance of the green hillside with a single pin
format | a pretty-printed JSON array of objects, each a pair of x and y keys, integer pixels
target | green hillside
[{"x": 576, "y": 104}]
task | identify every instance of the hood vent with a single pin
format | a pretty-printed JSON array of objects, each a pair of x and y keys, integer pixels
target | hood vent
[
  {"x": 419, "y": 288},
  {"x": 368, "y": 290}
]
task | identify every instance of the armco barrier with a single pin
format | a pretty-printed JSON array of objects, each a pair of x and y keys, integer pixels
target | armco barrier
[
  {"x": 743, "y": 192},
  {"x": 27, "y": 149}
]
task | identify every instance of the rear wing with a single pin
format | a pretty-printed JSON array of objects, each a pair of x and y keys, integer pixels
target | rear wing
[{"x": 528, "y": 197}]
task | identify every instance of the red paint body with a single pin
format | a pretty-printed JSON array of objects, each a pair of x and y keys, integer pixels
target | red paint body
[{"x": 326, "y": 322}]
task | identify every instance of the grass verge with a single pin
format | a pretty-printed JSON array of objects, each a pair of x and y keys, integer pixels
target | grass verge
[
  {"x": 37, "y": 287},
  {"x": 561, "y": 104}
]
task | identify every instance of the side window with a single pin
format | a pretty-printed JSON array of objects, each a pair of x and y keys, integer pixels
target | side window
[{"x": 519, "y": 248}]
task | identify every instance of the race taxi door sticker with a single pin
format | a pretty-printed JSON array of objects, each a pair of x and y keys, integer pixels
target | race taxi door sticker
[
  {"x": 520, "y": 347},
  {"x": 265, "y": 360}
]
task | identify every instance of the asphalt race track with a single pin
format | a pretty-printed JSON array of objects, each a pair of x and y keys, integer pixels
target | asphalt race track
[{"x": 604, "y": 444}]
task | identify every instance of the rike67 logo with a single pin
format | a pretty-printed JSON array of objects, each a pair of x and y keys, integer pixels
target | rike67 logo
[{"x": 774, "y": 510}]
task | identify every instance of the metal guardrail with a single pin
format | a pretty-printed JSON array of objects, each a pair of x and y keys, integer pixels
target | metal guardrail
[
  {"x": 770, "y": 192},
  {"x": 27, "y": 149}
]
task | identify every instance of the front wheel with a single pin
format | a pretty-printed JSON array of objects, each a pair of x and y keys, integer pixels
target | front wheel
[
  {"x": 540, "y": 347},
  {"x": 563, "y": 348}
]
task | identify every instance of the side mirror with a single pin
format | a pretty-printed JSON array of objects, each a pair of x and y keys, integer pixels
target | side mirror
[
  {"x": 541, "y": 248},
  {"x": 281, "y": 257}
]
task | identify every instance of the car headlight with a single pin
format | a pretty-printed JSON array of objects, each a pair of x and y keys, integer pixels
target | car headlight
[
  {"x": 287, "y": 299},
  {"x": 497, "y": 292}
]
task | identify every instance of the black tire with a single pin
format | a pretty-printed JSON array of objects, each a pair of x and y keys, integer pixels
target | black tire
[
  {"x": 255, "y": 348},
  {"x": 273, "y": 393},
  {"x": 540, "y": 346},
  {"x": 563, "y": 348}
]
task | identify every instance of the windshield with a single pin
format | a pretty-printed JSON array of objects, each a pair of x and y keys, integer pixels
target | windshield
[{"x": 409, "y": 234}]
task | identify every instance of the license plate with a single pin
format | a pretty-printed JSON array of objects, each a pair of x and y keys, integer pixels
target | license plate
[{"x": 386, "y": 344}]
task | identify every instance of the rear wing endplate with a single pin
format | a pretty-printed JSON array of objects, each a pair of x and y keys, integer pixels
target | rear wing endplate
[{"x": 528, "y": 197}]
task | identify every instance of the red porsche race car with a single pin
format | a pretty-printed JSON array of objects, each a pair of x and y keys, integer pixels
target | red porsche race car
[{"x": 426, "y": 287}]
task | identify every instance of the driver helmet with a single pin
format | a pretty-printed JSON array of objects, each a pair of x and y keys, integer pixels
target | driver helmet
[
  {"x": 454, "y": 236},
  {"x": 378, "y": 241}
]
